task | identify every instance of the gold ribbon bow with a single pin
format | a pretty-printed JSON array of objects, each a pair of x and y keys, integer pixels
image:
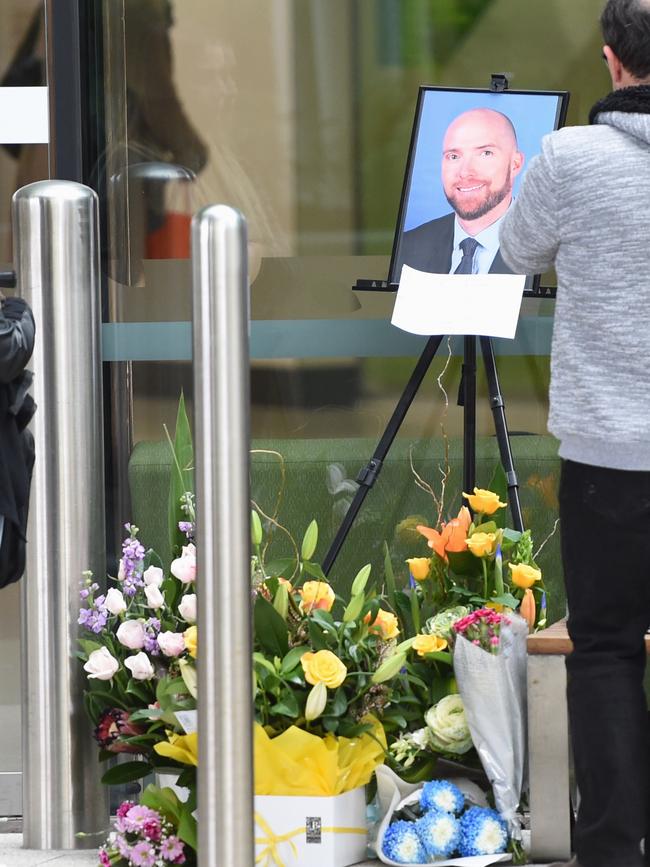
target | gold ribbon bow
[{"x": 270, "y": 856}]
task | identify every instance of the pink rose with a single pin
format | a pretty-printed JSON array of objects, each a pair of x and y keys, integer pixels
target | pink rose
[
  {"x": 184, "y": 567},
  {"x": 140, "y": 666},
  {"x": 171, "y": 643},
  {"x": 131, "y": 634}
]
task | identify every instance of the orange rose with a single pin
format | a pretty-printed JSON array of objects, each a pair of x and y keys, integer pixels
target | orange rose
[
  {"x": 452, "y": 537},
  {"x": 384, "y": 624}
]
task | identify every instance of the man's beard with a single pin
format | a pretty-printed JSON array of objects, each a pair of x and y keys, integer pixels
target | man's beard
[{"x": 494, "y": 198}]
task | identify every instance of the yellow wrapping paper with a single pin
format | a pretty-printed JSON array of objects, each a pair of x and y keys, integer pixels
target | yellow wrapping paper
[{"x": 299, "y": 763}]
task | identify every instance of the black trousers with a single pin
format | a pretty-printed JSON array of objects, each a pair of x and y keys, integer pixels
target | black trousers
[{"x": 605, "y": 526}]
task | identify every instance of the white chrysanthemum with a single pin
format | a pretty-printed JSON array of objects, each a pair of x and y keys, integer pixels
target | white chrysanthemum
[{"x": 490, "y": 838}]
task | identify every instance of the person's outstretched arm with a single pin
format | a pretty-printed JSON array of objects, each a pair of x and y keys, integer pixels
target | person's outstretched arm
[{"x": 529, "y": 236}]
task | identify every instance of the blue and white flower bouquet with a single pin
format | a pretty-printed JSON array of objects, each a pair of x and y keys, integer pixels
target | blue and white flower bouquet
[{"x": 442, "y": 822}]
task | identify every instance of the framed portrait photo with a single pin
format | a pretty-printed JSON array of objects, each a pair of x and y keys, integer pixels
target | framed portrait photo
[{"x": 469, "y": 151}]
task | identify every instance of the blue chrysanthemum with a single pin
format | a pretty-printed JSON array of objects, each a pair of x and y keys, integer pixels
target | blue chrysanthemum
[
  {"x": 482, "y": 832},
  {"x": 442, "y": 795},
  {"x": 439, "y": 833},
  {"x": 402, "y": 844}
]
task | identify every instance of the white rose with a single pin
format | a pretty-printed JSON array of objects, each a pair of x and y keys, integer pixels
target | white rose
[
  {"x": 139, "y": 666},
  {"x": 155, "y": 599},
  {"x": 131, "y": 634},
  {"x": 448, "y": 726},
  {"x": 121, "y": 572},
  {"x": 184, "y": 567},
  {"x": 101, "y": 664},
  {"x": 171, "y": 643},
  {"x": 115, "y": 602},
  {"x": 153, "y": 575},
  {"x": 187, "y": 607}
]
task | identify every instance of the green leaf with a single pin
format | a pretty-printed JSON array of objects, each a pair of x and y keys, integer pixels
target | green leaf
[
  {"x": 292, "y": 659},
  {"x": 137, "y": 688},
  {"x": 181, "y": 475},
  {"x": 126, "y": 773},
  {"x": 287, "y": 705},
  {"x": 506, "y": 599},
  {"x": 340, "y": 703},
  {"x": 487, "y": 527},
  {"x": 187, "y": 827},
  {"x": 89, "y": 646},
  {"x": 512, "y": 535},
  {"x": 354, "y": 607},
  {"x": 309, "y": 541},
  {"x": 260, "y": 659},
  {"x": 464, "y": 563},
  {"x": 315, "y": 571},
  {"x": 440, "y": 656},
  {"x": 270, "y": 629},
  {"x": 360, "y": 581},
  {"x": 317, "y": 638},
  {"x": 280, "y": 567}
]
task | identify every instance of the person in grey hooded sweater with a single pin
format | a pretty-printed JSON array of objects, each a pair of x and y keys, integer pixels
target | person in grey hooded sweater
[{"x": 584, "y": 207}]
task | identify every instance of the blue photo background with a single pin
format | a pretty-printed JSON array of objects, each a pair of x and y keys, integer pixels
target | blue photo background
[{"x": 533, "y": 115}]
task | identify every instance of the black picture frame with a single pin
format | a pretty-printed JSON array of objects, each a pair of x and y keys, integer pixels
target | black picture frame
[{"x": 483, "y": 96}]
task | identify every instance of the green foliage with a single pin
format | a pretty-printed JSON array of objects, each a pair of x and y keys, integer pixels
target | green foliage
[{"x": 182, "y": 477}]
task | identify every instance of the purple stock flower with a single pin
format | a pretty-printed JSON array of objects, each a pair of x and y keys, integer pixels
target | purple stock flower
[
  {"x": 187, "y": 527},
  {"x": 132, "y": 562},
  {"x": 93, "y": 619}
]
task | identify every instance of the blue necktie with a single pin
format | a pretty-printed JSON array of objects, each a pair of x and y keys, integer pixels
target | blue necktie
[{"x": 466, "y": 266}]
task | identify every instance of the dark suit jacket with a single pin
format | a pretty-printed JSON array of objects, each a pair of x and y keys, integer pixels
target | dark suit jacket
[{"x": 429, "y": 247}]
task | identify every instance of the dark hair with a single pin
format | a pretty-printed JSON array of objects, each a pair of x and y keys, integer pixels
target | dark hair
[{"x": 626, "y": 29}]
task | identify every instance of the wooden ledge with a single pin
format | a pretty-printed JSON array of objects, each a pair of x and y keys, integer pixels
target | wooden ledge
[{"x": 555, "y": 640}]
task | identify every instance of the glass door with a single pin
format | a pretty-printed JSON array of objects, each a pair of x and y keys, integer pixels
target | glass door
[
  {"x": 23, "y": 159},
  {"x": 298, "y": 112}
]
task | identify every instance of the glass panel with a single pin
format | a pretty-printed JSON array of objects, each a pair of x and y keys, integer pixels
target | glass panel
[
  {"x": 22, "y": 52},
  {"x": 299, "y": 112}
]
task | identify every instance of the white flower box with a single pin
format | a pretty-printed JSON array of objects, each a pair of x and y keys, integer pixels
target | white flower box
[{"x": 311, "y": 832}]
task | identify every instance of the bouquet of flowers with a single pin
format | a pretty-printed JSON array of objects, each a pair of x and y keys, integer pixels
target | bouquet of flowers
[
  {"x": 144, "y": 837},
  {"x": 490, "y": 667},
  {"x": 476, "y": 565},
  {"x": 319, "y": 659},
  {"x": 439, "y": 820}
]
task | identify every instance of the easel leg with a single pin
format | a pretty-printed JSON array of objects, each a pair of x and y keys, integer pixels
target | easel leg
[
  {"x": 497, "y": 405},
  {"x": 468, "y": 395},
  {"x": 369, "y": 473}
]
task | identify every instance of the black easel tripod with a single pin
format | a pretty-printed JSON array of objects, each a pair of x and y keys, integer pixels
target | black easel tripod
[{"x": 369, "y": 473}]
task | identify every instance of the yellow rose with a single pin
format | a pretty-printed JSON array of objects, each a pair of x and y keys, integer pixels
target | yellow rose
[
  {"x": 484, "y": 501},
  {"x": 323, "y": 667},
  {"x": 384, "y": 624},
  {"x": 524, "y": 576},
  {"x": 424, "y": 644},
  {"x": 482, "y": 544},
  {"x": 419, "y": 567},
  {"x": 190, "y": 637},
  {"x": 316, "y": 594}
]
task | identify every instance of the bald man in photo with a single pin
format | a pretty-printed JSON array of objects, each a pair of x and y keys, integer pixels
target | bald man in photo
[{"x": 480, "y": 160}]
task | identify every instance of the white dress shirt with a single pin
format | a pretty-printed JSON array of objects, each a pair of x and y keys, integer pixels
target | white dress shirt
[{"x": 484, "y": 255}]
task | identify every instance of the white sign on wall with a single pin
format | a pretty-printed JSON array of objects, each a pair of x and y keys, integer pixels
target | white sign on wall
[{"x": 24, "y": 117}]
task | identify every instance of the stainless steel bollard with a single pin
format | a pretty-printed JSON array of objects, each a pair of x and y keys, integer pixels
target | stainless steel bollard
[
  {"x": 57, "y": 265},
  {"x": 221, "y": 413}
]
